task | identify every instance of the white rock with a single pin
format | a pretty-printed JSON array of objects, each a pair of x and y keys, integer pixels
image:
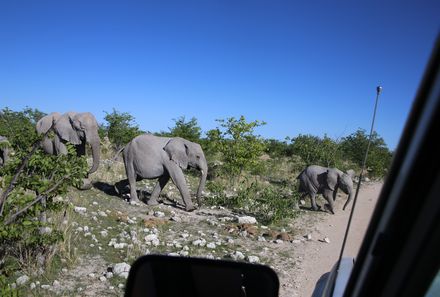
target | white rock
[
  {"x": 80, "y": 210},
  {"x": 159, "y": 214},
  {"x": 120, "y": 268},
  {"x": 104, "y": 233},
  {"x": 184, "y": 253},
  {"x": 124, "y": 275},
  {"x": 22, "y": 280},
  {"x": 32, "y": 286},
  {"x": 111, "y": 288},
  {"x": 261, "y": 238},
  {"x": 253, "y": 259},
  {"x": 56, "y": 284},
  {"x": 109, "y": 274},
  {"x": 45, "y": 287},
  {"x": 211, "y": 245},
  {"x": 120, "y": 286},
  {"x": 279, "y": 241},
  {"x": 174, "y": 254},
  {"x": 326, "y": 239},
  {"x": 238, "y": 255},
  {"x": 92, "y": 275},
  {"x": 86, "y": 228},
  {"x": 309, "y": 237},
  {"x": 102, "y": 214},
  {"x": 184, "y": 235},
  {"x": 103, "y": 278},
  {"x": 247, "y": 220}
]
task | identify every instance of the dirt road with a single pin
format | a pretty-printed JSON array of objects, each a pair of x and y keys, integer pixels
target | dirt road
[{"x": 316, "y": 256}]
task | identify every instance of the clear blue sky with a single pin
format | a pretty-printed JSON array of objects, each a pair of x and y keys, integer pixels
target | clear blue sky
[{"x": 302, "y": 68}]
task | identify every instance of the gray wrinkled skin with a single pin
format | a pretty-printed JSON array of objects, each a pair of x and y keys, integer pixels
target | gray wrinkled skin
[
  {"x": 316, "y": 179},
  {"x": 150, "y": 157},
  {"x": 78, "y": 128}
]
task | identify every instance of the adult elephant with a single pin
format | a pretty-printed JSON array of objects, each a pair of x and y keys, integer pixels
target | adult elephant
[
  {"x": 4, "y": 150},
  {"x": 77, "y": 128},
  {"x": 149, "y": 157},
  {"x": 316, "y": 179}
]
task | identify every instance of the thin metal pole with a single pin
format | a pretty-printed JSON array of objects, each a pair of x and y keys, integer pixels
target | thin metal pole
[{"x": 378, "y": 91}]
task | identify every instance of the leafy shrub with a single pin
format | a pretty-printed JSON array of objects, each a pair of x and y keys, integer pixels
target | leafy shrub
[
  {"x": 379, "y": 157},
  {"x": 42, "y": 178},
  {"x": 19, "y": 127},
  {"x": 315, "y": 150},
  {"x": 121, "y": 128},
  {"x": 276, "y": 148},
  {"x": 268, "y": 204},
  {"x": 190, "y": 130},
  {"x": 237, "y": 143}
]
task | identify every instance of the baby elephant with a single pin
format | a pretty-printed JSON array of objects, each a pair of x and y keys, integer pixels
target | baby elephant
[
  {"x": 326, "y": 181},
  {"x": 150, "y": 157}
]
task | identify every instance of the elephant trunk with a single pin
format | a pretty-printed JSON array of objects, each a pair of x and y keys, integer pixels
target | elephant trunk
[
  {"x": 350, "y": 196},
  {"x": 202, "y": 183},
  {"x": 96, "y": 154}
]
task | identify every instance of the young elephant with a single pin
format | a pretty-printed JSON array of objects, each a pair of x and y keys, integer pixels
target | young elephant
[
  {"x": 326, "y": 181},
  {"x": 149, "y": 157}
]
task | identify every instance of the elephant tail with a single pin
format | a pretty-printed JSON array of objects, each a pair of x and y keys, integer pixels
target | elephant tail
[{"x": 118, "y": 153}]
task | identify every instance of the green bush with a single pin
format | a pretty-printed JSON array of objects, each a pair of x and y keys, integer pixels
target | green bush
[
  {"x": 121, "y": 128},
  {"x": 41, "y": 179},
  {"x": 19, "y": 127},
  {"x": 239, "y": 146},
  {"x": 379, "y": 156},
  {"x": 316, "y": 151},
  {"x": 267, "y": 203},
  {"x": 190, "y": 130}
]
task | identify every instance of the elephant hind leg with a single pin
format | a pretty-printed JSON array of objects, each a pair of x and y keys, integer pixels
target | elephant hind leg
[
  {"x": 163, "y": 180},
  {"x": 313, "y": 201}
]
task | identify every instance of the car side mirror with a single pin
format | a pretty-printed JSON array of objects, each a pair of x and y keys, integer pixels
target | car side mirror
[{"x": 169, "y": 276}]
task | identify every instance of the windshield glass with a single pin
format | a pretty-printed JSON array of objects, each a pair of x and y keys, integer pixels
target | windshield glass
[{"x": 226, "y": 130}]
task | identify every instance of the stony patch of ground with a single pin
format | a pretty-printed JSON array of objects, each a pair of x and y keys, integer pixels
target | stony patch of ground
[{"x": 104, "y": 233}]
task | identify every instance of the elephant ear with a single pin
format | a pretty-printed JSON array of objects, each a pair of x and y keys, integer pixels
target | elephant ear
[
  {"x": 46, "y": 122},
  {"x": 178, "y": 152},
  {"x": 332, "y": 179},
  {"x": 65, "y": 130}
]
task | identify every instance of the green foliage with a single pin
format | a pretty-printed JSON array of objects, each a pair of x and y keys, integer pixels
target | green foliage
[
  {"x": 190, "y": 130},
  {"x": 276, "y": 148},
  {"x": 44, "y": 175},
  {"x": 239, "y": 146},
  {"x": 268, "y": 204},
  {"x": 315, "y": 150},
  {"x": 379, "y": 156},
  {"x": 5, "y": 288},
  {"x": 121, "y": 128},
  {"x": 19, "y": 127}
]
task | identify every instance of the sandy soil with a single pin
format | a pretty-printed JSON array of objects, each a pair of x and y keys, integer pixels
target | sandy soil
[{"x": 316, "y": 257}]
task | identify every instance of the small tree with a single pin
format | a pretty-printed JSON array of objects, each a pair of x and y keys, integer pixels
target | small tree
[
  {"x": 239, "y": 146},
  {"x": 189, "y": 130},
  {"x": 379, "y": 156},
  {"x": 19, "y": 127},
  {"x": 121, "y": 128},
  {"x": 315, "y": 150}
]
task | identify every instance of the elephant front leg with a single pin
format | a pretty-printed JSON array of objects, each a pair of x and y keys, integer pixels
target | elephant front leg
[
  {"x": 163, "y": 180},
  {"x": 328, "y": 196},
  {"x": 179, "y": 180}
]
